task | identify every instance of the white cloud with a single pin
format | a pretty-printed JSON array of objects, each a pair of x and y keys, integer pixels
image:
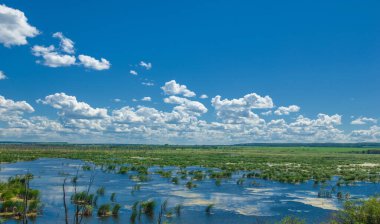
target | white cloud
[
  {"x": 185, "y": 105},
  {"x": 249, "y": 101},
  {"x": 117, "y": 100},
  {"x": 133, "y": 72},
  {"x": 147, "y": 83},
  {"x": 366, "y": 135},
  {"x": 266, "y": 113},
  {"x": 2, "y": 75},
  {"x": 146, "y": 65},
  {"x": 92, "y": 63},
  {"x": 14, "y": 27},
  {"x": 364, "y": 120},
  {"x": 66, "y": 44},
  {"x": 52, "y": 58},
  {"x": 146, "y": 98},
  {"x": 12, "y": 111},
  {"x": 7, "y": 105},
  {"x": 203, "y": 96},
  {"x": 240, "y": 110},
  {"x": 68, "y": 106},
  {"x": 64, "y": 55},
  {"x": 287, "y": 110},
  {"x": 236, "y": 122},
  {"x": 173, "y": 88}
]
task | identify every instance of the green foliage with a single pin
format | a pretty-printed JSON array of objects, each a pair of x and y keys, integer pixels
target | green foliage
[
  {"x": 240, "y": 181},
  {"x": 12, "y": 206},
  {"x": 190, "y": 185},
  {"x": 34, "y": 206},
  {"x": 197, "y": 175},
  {"x": 115, "y": 209},
  {"x": 101, "y": 191},
  {"x": 175, "y": 180},
  {"x": 209, "y": 208},
  {"x": 291, "y": 164},
  {"x": 123, "y": 170},
  {"x": 82, "y": 198},
  {"x": 222, "y": 174},
  {"x": 134, "y": 212},
  {"x": 359, "y": 212},
  {"x": 104, "y": 210},
  {"x": 87, "y": 211},
  {"x": 12, "y": 194},
  {"x": 165, "y": 174},
  {"x": 86, "y": 167},
  {"x": 148, "y": 207},
  {"x": 140, "y": 169},
  {"x": 113, "y": 197},
  {"x": 292, "y": 220}
]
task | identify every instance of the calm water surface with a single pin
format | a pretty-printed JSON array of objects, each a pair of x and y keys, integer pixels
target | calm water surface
[{"x": 249, "y": 203}]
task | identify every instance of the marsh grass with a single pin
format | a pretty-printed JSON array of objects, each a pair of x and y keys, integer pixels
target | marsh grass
[{"x": 284, "y": 164}]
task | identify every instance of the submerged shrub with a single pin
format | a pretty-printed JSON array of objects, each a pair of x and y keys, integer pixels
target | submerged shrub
[
  {"x": 190, "y": 185},
  {"x": 12, "y": 206},
  {"x": 86, "y": 167},
  {"x": 178, "y": 209},
  {"x": 104, "y": 210},
  {"x": 113, "y": 197},
  {"x": 115, "y": 209},
  {"x": 175, "y": 180},
  {"x": 87, "y": 211},
  {"x": 208, "y": 208},
  {"x": 101, "y": 191},
  {"x": 148, "y": 207},
  {"x": 34, "y": 206},
  {"x": 134, "y": 212},
  {"x": 292, "y": 220},
  {"x": 123, "y": 170}
]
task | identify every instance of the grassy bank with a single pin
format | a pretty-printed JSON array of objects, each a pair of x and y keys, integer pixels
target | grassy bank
[{"x": 286, "y": 164}]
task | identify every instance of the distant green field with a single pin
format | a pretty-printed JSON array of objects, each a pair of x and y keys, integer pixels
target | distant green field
[{"x": 286, "y": 164}]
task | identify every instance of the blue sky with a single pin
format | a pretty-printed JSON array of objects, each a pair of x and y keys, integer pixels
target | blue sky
[{"x": 317, "y": 63}]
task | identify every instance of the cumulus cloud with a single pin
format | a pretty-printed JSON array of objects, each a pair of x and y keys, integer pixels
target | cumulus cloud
[
  {"x": 368, "y": 135},
  {"x": 7, "y": 105},
  {"x": 173, "y": 88},
  {"x": 14, "y": 28},
  {"x": 2, "y": 75},
  {"x": 69, "y": 106},
  {"x": 92, "y": 63},
  {"x": 146, "y": 98},
  {"x": 12, "y": 111},
  {"x": 364, "y": 120},
  {"x": 64, "y": 55},
  {"x": 52, "y": 58},
  {"x": 186, "y": 105},
  {"x": 146, "y": 65},
  {"x": 66, "y": 44},
  {"x": 287, "y": 110},
  {"x": 203, "y": 96},
  {"x": 240, "y": 110},
  {"x": 249, "y": 101},
  {"x": 133, "y": 72},
  {"x": 181, "y": 122}
]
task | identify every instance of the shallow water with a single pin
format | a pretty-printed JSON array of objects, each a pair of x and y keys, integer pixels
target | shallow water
[{"x": 268, "y": 202}]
